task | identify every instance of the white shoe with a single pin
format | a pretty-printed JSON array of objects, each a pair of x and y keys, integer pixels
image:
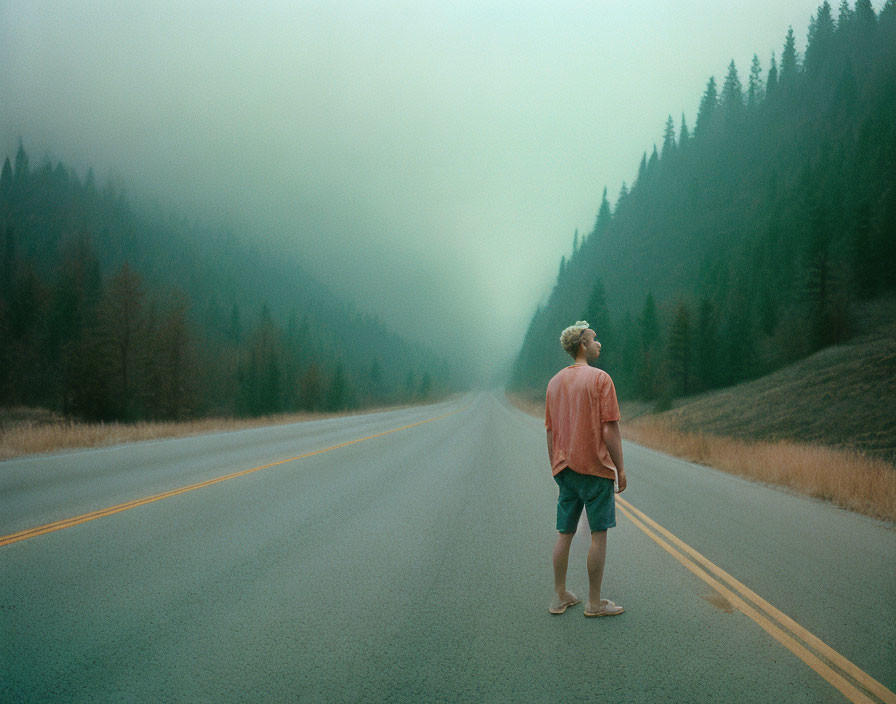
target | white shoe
[{"x": 607, "y": 608}]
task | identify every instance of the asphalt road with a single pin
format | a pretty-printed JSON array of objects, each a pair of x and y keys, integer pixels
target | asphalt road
[{"x": 415, "y": 566}]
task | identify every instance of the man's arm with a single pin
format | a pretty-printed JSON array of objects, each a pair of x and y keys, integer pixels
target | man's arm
[
  {"x": 613, "y": 441},
  {"x": 550, "y": 447}
]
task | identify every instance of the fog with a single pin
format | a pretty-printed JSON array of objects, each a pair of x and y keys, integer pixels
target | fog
[{"x": 428, "y": 161}]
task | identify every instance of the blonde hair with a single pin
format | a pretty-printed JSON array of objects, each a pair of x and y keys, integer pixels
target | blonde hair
[{"x": 572, "y": 336}]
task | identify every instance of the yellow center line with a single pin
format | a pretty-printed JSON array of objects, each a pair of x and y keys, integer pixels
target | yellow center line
[
  {"x": 777, "y": 631},
  {"x": 77, "y": 520}
]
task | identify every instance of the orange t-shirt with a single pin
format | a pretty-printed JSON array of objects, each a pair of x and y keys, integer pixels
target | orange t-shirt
[{"x": 578, "y": 400}]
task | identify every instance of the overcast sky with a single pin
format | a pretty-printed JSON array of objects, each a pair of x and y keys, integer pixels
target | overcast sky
[{"x": 429, "y": 160}]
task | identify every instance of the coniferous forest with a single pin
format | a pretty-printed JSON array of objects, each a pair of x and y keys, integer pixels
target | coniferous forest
[
  {"x": 747, "y": 238},
  {"x": 111, "y": 311}
]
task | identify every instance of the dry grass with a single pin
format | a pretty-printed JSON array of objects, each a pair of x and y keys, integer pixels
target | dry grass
[
  {"x": 34, "y": 431},
  {"x": 846, "y": 478}
]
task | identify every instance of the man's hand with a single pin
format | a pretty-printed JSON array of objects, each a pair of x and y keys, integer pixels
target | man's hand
[
  {"x": 613, "y": 441},
  {"x": 623, "y": 482}
]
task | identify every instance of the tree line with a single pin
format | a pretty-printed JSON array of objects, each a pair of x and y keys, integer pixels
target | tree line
[
  {"x": 745, "y": 242},
  {"x": 111, "y": 312}
]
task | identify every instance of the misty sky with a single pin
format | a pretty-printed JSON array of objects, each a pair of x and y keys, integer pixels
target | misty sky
[{"x": 430, "y": 161}]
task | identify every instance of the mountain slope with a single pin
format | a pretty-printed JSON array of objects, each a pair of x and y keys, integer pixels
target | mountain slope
[
  {"x": 112, "y": 311},
  {"x": 742, "y": 246}
]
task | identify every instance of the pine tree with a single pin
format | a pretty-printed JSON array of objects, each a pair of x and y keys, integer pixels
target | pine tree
[
  {"x": 122, "y": 321},
  {"x": 7, "y": 279},
  {"x": 425, "y": 386},
  {"x": 821, "y": 36},
  {"x": 706, "y": 111},
  {"x": 847, "y": 90},
  {"x": 6, "y": 182},
  {"x": 844, "y": 16},
  {"x": 8, "y": 270},
  {"x": 597, "y": 314},
  {"x": 604, "y": 216},
  {"x": 151, "y": 364},
  {"x": 888, "y": 11},
  {"x": 628, "y": 362},
  {"x": 732, "y": 99},
  {"x": 771, "y": 83},
  {"x": 684, "y": 134},
  {"x": 885, "y": 242},
  {"x": 6, "y": 396},
  {"x": 75, "y": 327},
  {"x": 648, "y": 372},
  {"x": 375, "y": 377},
  {"x": 623, "y": 194},
  {"x": 235, "y": 329},
  {"x": 262, "y": 368},
  {"x": 642, "y": 172},
  {"x": 271, "y": 384},
  {"x": 26, "y": 305},
  {"x": 865, "y": 18},
  {"x": 312, "y": 388},
  {"x": 864, "y": 258},
  {"x": 20, "y": 175},
  {"x": 755, "y": 90},
  {"x": 88, "y": 393},
  {"x": 789, "y": 60},
  {"x": 740, "y": 361},
  {"x": 680, "y": 350},
  {"x": 669, "y": 138},
  {"x": 819, "y": 273},
  {"x": 707, "y": 345},
  {"x": 653, "y": 161},
  {"x": 177, "y": 370},
  {"x": 768, "y": 313},
  {"x": 410, "y": 384}
]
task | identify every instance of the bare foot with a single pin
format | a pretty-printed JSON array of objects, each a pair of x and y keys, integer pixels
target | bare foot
[{"x": 562, "y": 601}]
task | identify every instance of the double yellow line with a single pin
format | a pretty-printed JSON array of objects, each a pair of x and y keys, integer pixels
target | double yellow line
[
  {"x": 84, "y": 518},
  {"x": 826, "y": 661}
]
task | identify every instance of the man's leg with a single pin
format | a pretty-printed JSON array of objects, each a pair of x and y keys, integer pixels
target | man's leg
[
  {"x": 597, "y": 556},
  {"x": 561, "y": 560},
  {"x": 562, "y": 597}
]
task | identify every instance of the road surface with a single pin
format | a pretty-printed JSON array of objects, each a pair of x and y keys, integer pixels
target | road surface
[{"x": 405, "y": 556}]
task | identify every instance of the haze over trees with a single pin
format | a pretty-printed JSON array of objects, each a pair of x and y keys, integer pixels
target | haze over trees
[
  {"x": 744, "y": 245},
  {"x": 114, "y": 312}
]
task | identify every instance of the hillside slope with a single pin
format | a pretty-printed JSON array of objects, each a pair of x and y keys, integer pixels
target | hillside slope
[
  {"x": 113, "y": 311},
  {"x": 842, "y": 396},
  {"x": 743, "y": 243}
]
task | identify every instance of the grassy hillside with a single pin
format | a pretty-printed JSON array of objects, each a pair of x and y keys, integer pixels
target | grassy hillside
[{"x": 842, "y": 396}]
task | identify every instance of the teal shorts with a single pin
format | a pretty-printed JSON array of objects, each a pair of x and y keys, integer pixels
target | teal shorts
[{"x": 594, "y": 494}]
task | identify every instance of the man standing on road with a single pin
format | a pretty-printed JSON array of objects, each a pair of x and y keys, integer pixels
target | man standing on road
[{"x": 585, "y": 452}]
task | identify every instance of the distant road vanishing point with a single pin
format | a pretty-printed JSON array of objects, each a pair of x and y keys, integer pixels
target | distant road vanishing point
[{"x": 405, "y": 556}]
